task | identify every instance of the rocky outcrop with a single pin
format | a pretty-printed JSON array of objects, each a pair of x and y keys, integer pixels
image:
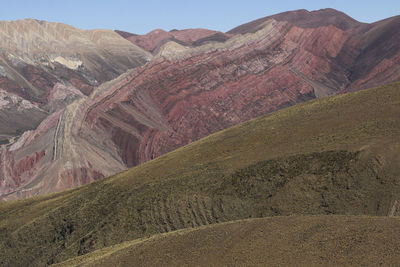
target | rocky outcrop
[{"x": 187, "y": 92}]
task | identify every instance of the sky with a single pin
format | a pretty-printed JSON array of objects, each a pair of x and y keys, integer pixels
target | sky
[{"x": 145, "y": 15}]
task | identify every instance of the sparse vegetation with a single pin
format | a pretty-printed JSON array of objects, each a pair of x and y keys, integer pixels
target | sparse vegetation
[
  {"x": 274, "y": 241},
  {"x": 336, "y": 155}
]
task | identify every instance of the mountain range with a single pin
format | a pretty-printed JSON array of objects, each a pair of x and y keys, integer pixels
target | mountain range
[
  {"x": 80, "y": 105},
  {"x": 337, "y": 155},
  {"x": 275, "y": 143}
]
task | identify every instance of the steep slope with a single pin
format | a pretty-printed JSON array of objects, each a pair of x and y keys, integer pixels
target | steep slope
[
  {"x": 16, "y": 116},
  {"x": 186, "y": 93},
  {"x": 335, "y": 155},
  {"x": 144, "y": 113},
  {"x": 44, "y": 67},
  {"x": 37, "y": 54},
  {"x": 66, "y": 157},
  {"x": 39, "y": 57},
  {"x": 288, "y": 241},
  {"x": 369, "y": 57},
  {"x": 374, "y": 55}
]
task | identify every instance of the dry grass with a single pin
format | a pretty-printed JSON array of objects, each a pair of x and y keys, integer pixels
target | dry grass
[
  {"x": 274, "y": 241},
  {"x": 336, "y": 155}
]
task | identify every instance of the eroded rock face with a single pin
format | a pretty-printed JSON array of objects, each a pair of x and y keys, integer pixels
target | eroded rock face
[
  {"x": 37, "y": 54},
  {"x": 369, "y": 56},
  {"x": 52, "y": 64},
  {"x": 187, "y": 92},
  {"x": 172, "y": 102},
  {"x": 17, "y": 115}
]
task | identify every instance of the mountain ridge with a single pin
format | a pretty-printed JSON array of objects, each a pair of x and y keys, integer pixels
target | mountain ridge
[
  {"x": 142, "y": 113},
  {"x": 301, "y": 18}
]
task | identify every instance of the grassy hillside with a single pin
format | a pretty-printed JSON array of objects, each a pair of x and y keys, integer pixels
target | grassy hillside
[
  {"x": 273, "y": 241},
  {"x": 336, "y": 155}
]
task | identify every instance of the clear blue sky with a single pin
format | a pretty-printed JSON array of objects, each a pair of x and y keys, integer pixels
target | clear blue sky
[{"x": 145, "y": 15}]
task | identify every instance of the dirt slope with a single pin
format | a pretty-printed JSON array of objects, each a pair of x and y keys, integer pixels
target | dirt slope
[{"x": 278, "y": 241}]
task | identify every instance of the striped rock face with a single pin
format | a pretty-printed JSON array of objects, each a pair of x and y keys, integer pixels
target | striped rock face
[{"x": 185, "y": 91}]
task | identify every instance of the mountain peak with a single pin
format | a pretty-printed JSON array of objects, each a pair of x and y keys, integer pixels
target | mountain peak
[
  {"x": 157, "y": 31},
  {"x": 304, "y": 19}
]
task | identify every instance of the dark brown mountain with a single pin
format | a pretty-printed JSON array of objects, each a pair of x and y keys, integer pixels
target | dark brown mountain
[
  {"x": 369, "y": 56},
  {"x": 153, "y": 40},
  {"x": 304, "y": 19}
]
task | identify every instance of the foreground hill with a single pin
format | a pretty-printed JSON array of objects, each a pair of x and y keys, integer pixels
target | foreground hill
[
  {"x": 276, "y": 241},
  {"x": 188, "y": 92},
  {"x": 335, "y": 155}
]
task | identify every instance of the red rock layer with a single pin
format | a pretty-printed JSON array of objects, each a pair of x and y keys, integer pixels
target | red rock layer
[
  {"x": 76, "y": 177},
  {"x": 16, "y": 173},
  {"x": 370, "y": 55},
  {"x": 26, "y": 164},
  {"x": 203, "y": 93},
  {"x": 198, "y": 95},
  {"x": 170, "y": 102}
]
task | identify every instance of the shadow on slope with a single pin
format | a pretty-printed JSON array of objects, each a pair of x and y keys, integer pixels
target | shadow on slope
[
  {"x": 276, "y": 241},
  {"x": 336, "y": 155}
]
